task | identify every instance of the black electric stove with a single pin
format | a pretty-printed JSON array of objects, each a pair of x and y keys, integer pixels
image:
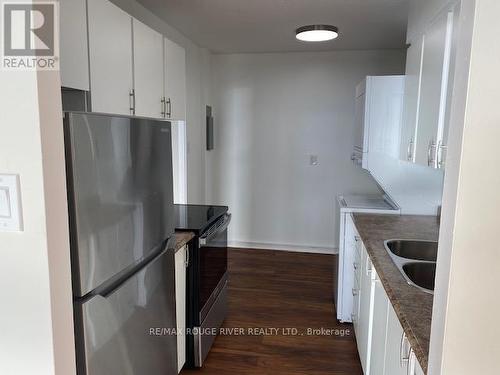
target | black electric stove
[
  {"x": 207, "y": 276},
  {"x": 197, "y": 218}
]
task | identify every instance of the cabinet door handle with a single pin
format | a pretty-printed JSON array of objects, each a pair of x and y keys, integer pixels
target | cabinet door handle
[
  {"x": 368, "y": 266},
  {"x": 163, "y": 107},
  {"x": 169, "y": 108},
  {"x": 441, "y": 148},
  {"x": 131, "y": 97},
  {"x": 356, "y": 238},
  {"x": 186, "y": 262},
  {"x": 410, "y": 369},
  {"x": 430, "y": 154},
  {"x": 355, "y": 265},
  {"x": 354, "y": 292},
  {"x": 402, "y": 359},
  {"x": 409, "y": 152}
]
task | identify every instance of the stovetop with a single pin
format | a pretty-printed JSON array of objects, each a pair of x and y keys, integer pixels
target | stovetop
[{"x": 197, "y": 218}]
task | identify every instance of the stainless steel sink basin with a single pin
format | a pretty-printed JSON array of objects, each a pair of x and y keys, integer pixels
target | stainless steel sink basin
[
  {"x": 413, "y": 249},
  {"x": 421, "y": 274},
  {"x": 416, "y": 260}
]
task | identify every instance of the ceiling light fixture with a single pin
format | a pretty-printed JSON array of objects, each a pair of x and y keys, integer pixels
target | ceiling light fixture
[{"x": 316, "y": 33}]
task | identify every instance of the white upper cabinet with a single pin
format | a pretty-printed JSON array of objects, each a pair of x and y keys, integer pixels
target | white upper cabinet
[
  {"x": 378, "y": 112},
  {"x": 148, "y": 71},
  {"x": 110, "y": 41},
  {"x": 175, "y": 80},
  {"x": 428, "y": 92},
  {"x": 433, "y": 90},
  {"x": 74, "y": 45}
]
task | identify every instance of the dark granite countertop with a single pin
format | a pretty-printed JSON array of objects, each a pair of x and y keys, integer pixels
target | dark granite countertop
[
  {"x": 412, "y": 306},
  {"x": 182, "y": 238}
]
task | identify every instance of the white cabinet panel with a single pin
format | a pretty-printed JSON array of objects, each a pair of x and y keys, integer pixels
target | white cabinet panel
[
  {"x": 175, "y": 80},
  {"x": 393, "y": 365},
  {"x": 74, "y": 44},
  {"x": 347, "y": 260},
  {"x": 380, "y": 315},
  {"x": 110, "y": 41},
  {"x": 385, "y": 101},
  {"x": 180, "y": 302},
  {"x": 366, "y": 292},
  {"x": 411, "y": 100},
  {"x": 148, "y": 70}
]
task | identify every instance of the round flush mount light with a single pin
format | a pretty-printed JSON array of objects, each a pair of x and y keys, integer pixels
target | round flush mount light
[{"x": 316, "y": 33}]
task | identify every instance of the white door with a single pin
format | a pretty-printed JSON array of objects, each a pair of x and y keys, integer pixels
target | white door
[
  {"x": 175, "y": 80},
  {"x": 148, "y": 70},
  {"x": 379, "y": 331},
  {"x": 394, "y": 363},
  {"x": 180, "y": 303},
  {"x": 110, "y": 42},
  {"x": 364, "y": 333},
  {"x": 74, "y": 46}
]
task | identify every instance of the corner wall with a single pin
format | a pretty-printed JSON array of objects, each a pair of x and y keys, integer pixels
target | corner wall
[{"x": 36, "y": 324}]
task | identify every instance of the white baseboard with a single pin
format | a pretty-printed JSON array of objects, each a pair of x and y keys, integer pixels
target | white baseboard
[{"x": 282, "y": 247}]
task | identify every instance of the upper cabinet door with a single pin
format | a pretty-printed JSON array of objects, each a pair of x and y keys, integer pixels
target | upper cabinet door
[
  {"x": 148, "y": 71},
  {"x": 411, "y": 92},
  {"x": 74, "y": 45},
  {"x": 175, "y": 81},
  {"x": 435, "y": 73},
  {"x": 110, "y": 40}
]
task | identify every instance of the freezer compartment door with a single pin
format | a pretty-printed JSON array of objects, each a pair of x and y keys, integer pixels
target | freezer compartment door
[
  {"x": 120, "y": 189},
  {"x": 131, "y": 330}
]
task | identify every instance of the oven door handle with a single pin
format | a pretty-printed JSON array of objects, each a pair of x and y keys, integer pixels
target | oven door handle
[{"x": 205, "y": 239}]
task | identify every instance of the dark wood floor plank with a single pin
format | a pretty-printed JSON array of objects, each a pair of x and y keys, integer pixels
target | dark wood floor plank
[{"x": 277, "y": 289}]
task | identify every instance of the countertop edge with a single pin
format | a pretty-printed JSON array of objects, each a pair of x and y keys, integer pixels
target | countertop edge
[{"x": 182, "y": 238}]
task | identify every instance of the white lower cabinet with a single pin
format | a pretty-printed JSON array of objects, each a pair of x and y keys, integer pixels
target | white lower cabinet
[
  {"x": 379, "y": 332},
  {"x": 394, "y": 364},
  {"x": 180, "y": 304},
  {"x": 382, "y": 345},
  {"x": 364, "y": 331}
]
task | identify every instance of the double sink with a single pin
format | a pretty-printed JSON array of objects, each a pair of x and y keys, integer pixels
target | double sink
[{"x": 416, "y": 260}]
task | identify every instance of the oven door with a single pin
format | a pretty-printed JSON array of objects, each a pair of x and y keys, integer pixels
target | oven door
[{"x": 213, "y": 287}]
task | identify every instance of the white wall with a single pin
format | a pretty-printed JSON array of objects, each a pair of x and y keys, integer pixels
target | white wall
[
  {"x": 36, "y": 317},
  {"x": 197, "y": 94},
  {"x": 271, "y": 112}
]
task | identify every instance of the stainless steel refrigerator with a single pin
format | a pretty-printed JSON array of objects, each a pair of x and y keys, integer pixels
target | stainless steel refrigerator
[{"x": 119, "y": 173}]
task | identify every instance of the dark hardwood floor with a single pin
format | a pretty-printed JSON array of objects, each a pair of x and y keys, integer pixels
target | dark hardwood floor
[{"x": 276, "y": 289}]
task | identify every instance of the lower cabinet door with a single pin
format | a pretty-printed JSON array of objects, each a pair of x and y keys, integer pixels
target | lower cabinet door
[
  {"x": 355, "y": 306},
  {"x": 180, "y": 303},
  {"x": 379, "y": 330},
  {"x": 364, "y": 333},
  {"x": 397, "y": 349}
]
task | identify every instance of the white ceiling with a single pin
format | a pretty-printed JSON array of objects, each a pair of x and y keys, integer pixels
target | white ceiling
[{"x": 239, "y": 26}]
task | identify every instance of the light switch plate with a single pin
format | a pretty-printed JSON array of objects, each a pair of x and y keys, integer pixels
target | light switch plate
[{"x": 10, "y": 204}]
